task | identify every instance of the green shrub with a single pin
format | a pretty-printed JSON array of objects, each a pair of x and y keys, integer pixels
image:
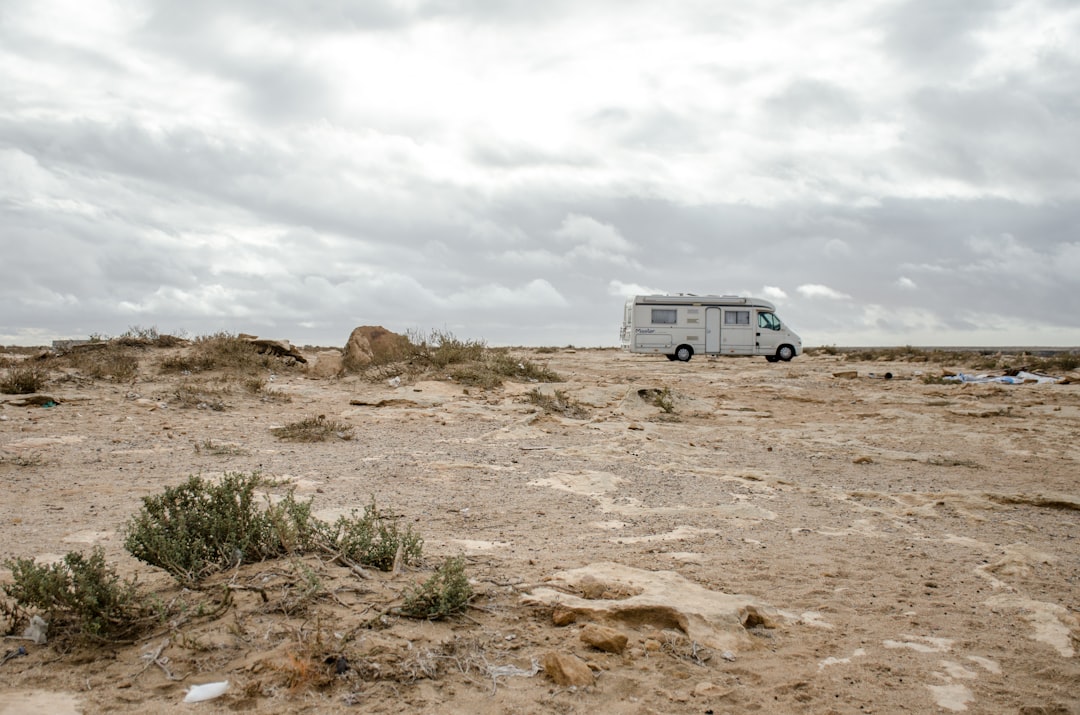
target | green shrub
[
  {"x": 446, "y": 593},
  {"x": 665, "y": 400},
  {"x": 82, "y": 591},
  {"x": 199, "y": 527},
  {"x": 24, "y": 379},
  {"x": 372, "y": 539}
]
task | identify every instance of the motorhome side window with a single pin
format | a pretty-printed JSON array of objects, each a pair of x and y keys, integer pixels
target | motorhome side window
[
  {"x": 737, "y": 317},
  {"x": 768, "y": 320},
  {"x": 664, "y": 316}
]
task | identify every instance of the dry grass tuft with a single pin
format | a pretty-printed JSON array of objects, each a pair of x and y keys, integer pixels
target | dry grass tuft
[
  {"x": 557, "y": 403},
  {"x": 314, "y": 429}
]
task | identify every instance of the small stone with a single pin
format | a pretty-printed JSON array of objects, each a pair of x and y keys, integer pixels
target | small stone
[
  {"x": 567, "y": 670},
  {"x": 563, "y": 616},
  {"x": 591, "y": 589},
  {"x": 603, "y": 638},
  {"x": 652, "y": 645}
]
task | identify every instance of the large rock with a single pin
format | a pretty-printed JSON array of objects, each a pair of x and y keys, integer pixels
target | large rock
[
  {"x": 328, "y": 363},
  {"x": 373, "y": 345}
]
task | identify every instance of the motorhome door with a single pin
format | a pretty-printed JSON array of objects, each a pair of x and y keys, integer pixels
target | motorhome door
[
  {"x": 737, "y": 334},
  {"x": 712, "y": 330}
]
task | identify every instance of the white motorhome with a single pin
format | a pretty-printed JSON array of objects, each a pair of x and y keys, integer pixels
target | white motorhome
[{"x": 681, "y": 326}]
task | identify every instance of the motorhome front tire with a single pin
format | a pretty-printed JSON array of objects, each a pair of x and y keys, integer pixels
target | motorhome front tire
[{"x": 785, "y": 353}]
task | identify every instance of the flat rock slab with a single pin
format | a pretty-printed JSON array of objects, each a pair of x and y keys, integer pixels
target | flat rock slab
[
  {"x": 662, "y": 599},
  {"x": 39, "y": 701}
]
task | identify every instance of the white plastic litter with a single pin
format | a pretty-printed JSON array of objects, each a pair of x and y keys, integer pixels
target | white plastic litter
[
  {"x": 506, "y": 671},
  {"x": 394, "y": 381},
  {"x": 207, "y": 691},
  {"x": 1019, "y": 379}
]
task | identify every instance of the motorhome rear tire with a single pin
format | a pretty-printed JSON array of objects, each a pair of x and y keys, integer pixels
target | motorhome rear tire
[{"x": 683, "y": 353}]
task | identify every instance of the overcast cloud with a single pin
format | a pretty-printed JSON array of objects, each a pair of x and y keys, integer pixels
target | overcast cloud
[{"x": 887, "y": 172}]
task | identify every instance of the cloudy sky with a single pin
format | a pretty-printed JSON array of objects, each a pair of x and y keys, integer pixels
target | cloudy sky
[{"x": 888, "y": 172}]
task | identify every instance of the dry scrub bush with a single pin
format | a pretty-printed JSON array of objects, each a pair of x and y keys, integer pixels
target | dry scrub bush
[
  {"x": 115, "y": 359},
  {"x": 441, "y": 355},
  {"x": 1059, "y": 363},
  {"x": 440, "y": 349},
  {"x": 24, "y": 379},
  {"x": 223, "y": 351},
  {"x": 200, "y": 396},
  {"x": 103, "y": 361},
  {"x": 22, "y": 459},
  {"x": 557, "y": 403},
  {"x": 220, "y": 449},
  {"x": 313, "y": 429},
  {"x": 148, "y": 337},
  {"x": 974, "y": 359}
]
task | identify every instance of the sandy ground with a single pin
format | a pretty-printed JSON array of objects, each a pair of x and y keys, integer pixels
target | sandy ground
[{"x": 782, "y": 540}]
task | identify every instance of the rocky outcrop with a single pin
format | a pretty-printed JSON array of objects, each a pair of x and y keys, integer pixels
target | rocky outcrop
[
  {"x": 328, "y": 363},
  {"x": 614, "y": 593},
  {"x": 278, "y": 348}
]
